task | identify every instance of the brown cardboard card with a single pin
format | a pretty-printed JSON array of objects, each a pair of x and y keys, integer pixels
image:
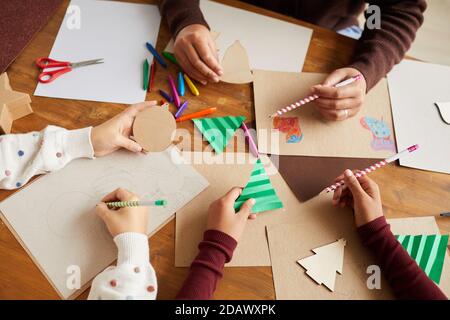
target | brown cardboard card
[
  {"x": 303, "y": 131},
  {"x": 154, "y": 129},
  {"x": 308, "y": 176},
  {"x": 290, "y": 242},
  {"x": 252, "y": 249}
]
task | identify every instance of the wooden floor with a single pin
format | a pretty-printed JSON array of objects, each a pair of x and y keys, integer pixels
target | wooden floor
[{"x": 406, "y": 192}]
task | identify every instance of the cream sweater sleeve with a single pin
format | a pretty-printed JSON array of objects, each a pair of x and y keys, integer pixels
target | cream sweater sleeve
[
  {"x": 23, "y": 156},
  {"x": 133, "y": 278}
]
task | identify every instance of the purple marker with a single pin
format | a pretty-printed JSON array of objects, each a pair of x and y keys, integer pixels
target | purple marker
[
  {"x": 175, "y": 95},
  {"x": 181, "y": 109},
  {"x": 166, "y": 96}
]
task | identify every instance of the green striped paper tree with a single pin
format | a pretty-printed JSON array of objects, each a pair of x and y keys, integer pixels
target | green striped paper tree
[
  {"x": 218, "y": 131},
  {"x": 428, "y": 251},
  {"x": 259, "y": 188}
]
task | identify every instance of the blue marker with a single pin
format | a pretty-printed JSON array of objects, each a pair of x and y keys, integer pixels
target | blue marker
[
  {"x": 166, "y": 96},
  {"x": 181, "y": 109},
  {"x": 181, "y": 88},
  {"x": 156, "y": 55}
]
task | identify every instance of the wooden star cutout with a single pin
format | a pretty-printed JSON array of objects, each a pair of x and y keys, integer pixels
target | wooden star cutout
[{"x": 13, "y": 104}]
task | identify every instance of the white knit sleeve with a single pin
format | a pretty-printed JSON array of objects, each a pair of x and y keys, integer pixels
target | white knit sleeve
[
  {"x": 23, "y": 156},
  {"x": 133, "y": 278}
]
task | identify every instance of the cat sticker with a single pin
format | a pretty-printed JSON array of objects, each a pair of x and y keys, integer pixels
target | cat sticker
[{"x": 381, "y": 133}]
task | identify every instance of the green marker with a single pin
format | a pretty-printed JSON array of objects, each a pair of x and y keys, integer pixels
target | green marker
[
  {"x": 123, "y": 204},
  {"x": 169, "y": 56}
]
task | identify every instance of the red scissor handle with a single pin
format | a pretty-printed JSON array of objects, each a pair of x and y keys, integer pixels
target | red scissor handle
[
  {"x": 50, "y": 63},
  {"x": 49, "y": 76}
]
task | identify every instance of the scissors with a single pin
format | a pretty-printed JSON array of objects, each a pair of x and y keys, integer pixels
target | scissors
[{"x": 49, "y": 76}]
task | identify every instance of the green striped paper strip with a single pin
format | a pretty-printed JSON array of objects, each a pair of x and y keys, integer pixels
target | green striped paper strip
[
  {"x": 218, "y": 131},
  {"x": 428, "y": 251},
  {"x": 259, "y": 188}
]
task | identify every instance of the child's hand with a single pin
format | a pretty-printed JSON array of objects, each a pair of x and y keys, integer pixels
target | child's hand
[
  {"x": 196, "y": 53},
  {"x": 222, "y": 217},
  {"x": 340, "y": 103},
  {"x": 115, "y": 133},
  {"x": 360, "y": 193},
  {"x": 123, "y": 220}
]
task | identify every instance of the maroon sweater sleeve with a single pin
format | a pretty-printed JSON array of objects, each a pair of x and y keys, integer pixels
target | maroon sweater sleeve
[
  {"x": 180, "y": 14},
  {"x": 406, "y": 278},
  {"x": 378, "y": 50},
  {"x": 216, "y": 249}
]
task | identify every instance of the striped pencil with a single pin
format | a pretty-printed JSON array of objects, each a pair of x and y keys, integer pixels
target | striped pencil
[
  {"x": 310, "y": 98},
  {"x": 375, "y": 166},
  {"x": 123, "y": 204}
]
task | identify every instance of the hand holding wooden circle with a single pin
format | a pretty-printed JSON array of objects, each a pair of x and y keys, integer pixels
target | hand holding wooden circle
[{"x": 154, "y": 129}]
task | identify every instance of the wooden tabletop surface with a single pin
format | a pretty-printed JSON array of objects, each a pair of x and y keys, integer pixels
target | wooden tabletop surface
[{"x": 405, "y": 192}]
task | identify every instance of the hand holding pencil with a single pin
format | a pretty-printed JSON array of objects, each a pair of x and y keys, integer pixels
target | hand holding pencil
[
  {"x": 337, "y": 103},
  {"x": 362, "y": 194},
  {"x": 126, "y": 219}
]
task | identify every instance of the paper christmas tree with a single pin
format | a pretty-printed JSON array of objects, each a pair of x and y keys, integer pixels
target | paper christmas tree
[
  {"x": 322, "y": 266},
  {"x": 218, "y": 131},
  {"x": 259, "y": 188},
  {"x": 428, "y": 251}
]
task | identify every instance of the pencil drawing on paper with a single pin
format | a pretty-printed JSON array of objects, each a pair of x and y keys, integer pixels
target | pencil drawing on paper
[
  {"x": 290, "y": 126},
  {"x": 381, "y": 134},
  {"x": 71, "y": 215}
]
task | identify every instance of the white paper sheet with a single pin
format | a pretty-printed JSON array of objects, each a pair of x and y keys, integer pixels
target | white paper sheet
[
  {"x": 271, "y": 44},
  {"x": 114, "y": 31},
  {"x": 54, "y": 217},
  {"x": 414, "y": 88}
]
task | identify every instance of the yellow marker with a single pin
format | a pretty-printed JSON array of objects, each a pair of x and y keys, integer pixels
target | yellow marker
[{"x": 191, "y": 85}]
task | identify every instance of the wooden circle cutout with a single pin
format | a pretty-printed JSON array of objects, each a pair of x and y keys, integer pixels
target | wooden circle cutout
[{"x": 153, "y": 129}]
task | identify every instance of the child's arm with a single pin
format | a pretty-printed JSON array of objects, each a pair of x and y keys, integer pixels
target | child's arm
[
  {"x": 224, "y": 228},
  {"x": 133, "y": 277},
  {"x": 23, "y": 156},
  {"x": 406, "y": 278}
]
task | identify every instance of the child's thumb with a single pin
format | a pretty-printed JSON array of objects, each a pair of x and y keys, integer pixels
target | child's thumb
[
  {"x": 353, "y": 183},
  {"x": 129, "y": 144},
  {"x": 246, "y": 208}
]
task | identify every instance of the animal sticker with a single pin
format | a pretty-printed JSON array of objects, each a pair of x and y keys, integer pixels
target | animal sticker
[
  {"x": 290, "y": 126},
  {"x": 381, "y": 133}
]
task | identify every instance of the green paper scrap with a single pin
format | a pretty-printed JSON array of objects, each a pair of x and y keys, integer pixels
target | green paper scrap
[
  {"x": 218, "y": 131},
  {"x": 146, "y": 74},
  {"x": 428, "y": 251},
  {"x": 259, "y": 188},
  {"x": 169, "y": 56}
]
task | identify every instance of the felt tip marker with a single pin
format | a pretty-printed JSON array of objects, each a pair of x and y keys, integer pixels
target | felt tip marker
[
  {"x": 165, "y": 95},
  {"x": 181, "y": 87},
  {"x": 124, "y": 204},
  {"x": 155, "y": 53},
  {"x": 181, "y": 109},
  {"x": 196, "y": 114},
  {"x": 176, "y": 97},
  {"x": 445, "y": 214},
  {"x": 191, "y": 85},
  {"x": 169, "y": 56}
]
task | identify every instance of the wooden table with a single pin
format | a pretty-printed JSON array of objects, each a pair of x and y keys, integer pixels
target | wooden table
[{"x": 406, "y": 192}]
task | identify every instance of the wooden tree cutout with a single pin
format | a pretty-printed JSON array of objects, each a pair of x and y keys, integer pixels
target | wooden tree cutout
[
  {"x": 236, "y": 66},
  {"x": 322, "y": 266},
  {"x": 13, "y": 104}
]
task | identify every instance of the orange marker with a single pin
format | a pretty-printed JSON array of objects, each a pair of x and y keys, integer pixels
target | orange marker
[{"x": 197, "y": 114}]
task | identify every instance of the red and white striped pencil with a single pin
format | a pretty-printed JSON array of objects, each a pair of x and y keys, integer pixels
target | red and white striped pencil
[
  {"x": 310, "y": 98},
  {"x": 375, "y": 166}
]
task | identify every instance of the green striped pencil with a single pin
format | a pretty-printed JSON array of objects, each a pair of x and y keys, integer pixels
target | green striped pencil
[{"x": 123, "y": 204}]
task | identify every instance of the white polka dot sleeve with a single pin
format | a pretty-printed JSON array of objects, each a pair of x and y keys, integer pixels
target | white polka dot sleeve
[
  {"x": 133, "y": 278},
  {"x": 23, "y": 156}
]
